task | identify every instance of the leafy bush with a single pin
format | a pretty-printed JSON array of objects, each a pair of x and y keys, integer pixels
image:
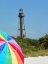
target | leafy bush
[
  {"x": 30, "y": 46},
  {"x": 44, "y": 41}
]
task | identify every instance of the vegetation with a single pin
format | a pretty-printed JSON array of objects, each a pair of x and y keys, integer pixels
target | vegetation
[{"x": 33, "y": 47}]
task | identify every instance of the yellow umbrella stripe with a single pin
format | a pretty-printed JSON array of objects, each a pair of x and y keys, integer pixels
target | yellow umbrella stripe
[
  {"x": 2, "y": 38},
  {"x": 17, "y": 55},
  {"x": 14, "y": 59}
]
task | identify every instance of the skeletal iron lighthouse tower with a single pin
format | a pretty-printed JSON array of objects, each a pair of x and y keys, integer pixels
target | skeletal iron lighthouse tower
[{"x": 21, "y": 27}]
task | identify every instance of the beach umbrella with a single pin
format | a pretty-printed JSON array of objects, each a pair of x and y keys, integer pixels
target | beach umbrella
[{"x": 10, "y": 51}]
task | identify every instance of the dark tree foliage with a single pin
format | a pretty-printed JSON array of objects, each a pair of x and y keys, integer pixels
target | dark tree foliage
[
  {"x": 27, "y": 44},
  {"x": 44, "y": 41}
]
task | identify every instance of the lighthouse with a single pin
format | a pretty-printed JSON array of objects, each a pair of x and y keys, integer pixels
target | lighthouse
[{"x": 21, "y": 27}]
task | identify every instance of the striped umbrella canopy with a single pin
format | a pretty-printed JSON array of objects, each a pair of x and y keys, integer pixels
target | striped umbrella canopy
[{"x": 10, "y": 51}]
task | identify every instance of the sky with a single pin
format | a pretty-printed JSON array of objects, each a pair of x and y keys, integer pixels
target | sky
[{"x": 36, "y": 17}]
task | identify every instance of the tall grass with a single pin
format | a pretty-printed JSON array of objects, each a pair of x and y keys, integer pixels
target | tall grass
[{"x": 37, "y": 53}]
